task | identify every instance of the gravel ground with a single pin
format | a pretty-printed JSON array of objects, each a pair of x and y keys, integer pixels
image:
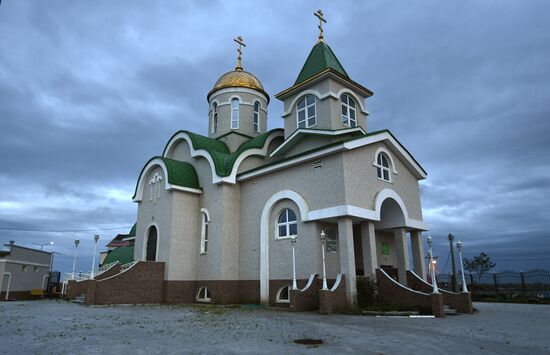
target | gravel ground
[{"x": 62, "y": 327}]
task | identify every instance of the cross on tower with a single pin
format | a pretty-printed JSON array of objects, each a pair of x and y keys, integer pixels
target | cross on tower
[
  {"x": 320, "y": 15},
  {"x": 241, "y": 44}
]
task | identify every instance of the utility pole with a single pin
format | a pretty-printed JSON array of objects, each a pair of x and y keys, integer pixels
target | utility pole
[{"x": 453, "y": 262}]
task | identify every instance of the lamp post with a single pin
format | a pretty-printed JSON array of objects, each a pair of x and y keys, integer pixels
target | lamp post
[
  {"x": 432, "y": 271},
  {"x": 293, "y": 242},
  {"x": 76, "y": 242},
  {"x": 454, "y": 280},
  {"x": 459, "y": 247},
  {"x": 323, "y": 243},
  {"x": 96, "y": 238},
  {"x": 43, "y": 245}
]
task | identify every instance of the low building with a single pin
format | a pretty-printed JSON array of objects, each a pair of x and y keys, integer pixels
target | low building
[{"x": 24, "y": 272}]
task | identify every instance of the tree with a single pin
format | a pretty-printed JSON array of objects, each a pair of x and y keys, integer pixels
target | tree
[{"x": 479, "y": 264}]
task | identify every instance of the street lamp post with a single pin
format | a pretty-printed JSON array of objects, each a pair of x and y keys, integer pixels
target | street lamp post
[
  {"x": 96, "y": 238},
  {"x": 43, "y": 245},
  {"x": 454, "y": 280},
  {"x": 432, "y": 271},
  {"x": 459, "y": 247},
  {"x": 323, "y": 243},
  {"x": 76, "y": 242},
  {"x": 293, "y": 242}
]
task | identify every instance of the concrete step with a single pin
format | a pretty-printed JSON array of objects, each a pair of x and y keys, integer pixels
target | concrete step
[
  {"x": 450, "y": 311},
  {"x": 79, "y": 299}
]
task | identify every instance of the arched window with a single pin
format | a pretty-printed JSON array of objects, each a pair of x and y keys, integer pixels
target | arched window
[
  {"x": 151, "y": 251},
  {"x": 306, "y": 112},
  {"x": 204, "y": 232},
  {"x": 234, "y": 113},
  {"x": 203, "y": 295},
  {"x": 383, "y": 167},
  {"x": 214, "y": 117},
  {"x": 287, "y": 225},
  {"x": 283, "y": 295},
  {"x": 257, "y": 117},
  {"x": 349, "y": 117}
]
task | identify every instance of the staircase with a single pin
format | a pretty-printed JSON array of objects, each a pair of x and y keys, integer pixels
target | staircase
[
  {"x": 79, "y": 299},
  {"x": 450, "y": 311}
]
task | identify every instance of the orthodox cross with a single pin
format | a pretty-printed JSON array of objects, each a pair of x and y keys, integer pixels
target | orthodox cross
[
  {"x": 319, "y": 15},
  {"x": 241, "y": 44}
]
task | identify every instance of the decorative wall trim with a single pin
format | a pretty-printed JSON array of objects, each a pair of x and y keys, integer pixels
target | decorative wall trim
[
  {"x": 167, "y": 186},
  {"x": 264, "y": 235}
]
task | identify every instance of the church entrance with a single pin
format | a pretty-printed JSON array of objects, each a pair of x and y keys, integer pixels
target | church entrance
[{"x": 151, "y": 251}]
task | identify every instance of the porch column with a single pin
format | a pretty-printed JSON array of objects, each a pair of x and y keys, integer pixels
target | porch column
[
  {"x": 402, "y": 253},
  {"x": 347, "y": 259},
  {"x": 418, "y": 254},
  {"x": 368, "y": 245}
]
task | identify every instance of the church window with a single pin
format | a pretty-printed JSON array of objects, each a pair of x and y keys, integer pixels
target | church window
[
  {"x": 306, "y": 112},
  {"x": 349, "y": 113},
  {"x": 151, "y": 246},
  {"x": 283, "y": 295},
  {"x": 203, "y": 295},
  {"x": 214, "y": 117},
  {"x": 234, "y": 113},
  {"x": 287, "y": 224},
  {"x": 257, "y": 117},
  {"x": 204, "y": 232},
  {"x": 383, "y": 167}
]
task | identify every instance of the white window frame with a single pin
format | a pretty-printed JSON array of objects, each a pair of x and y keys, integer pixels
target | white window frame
[
  {"x": 305, "y": 110},
  {"x": 205, "y": 299},
  {"x": 278, "y": 296},
  {"x": 286, "y": 224},
  {"x": 214, "y": 118},
  {"x": 347, "y": 119},
  {"x": 235, "y": 113},
  {"x": 205, "y": 220},
  {"x": 256, "y": 120},
  {"x": 381, "y": 169}
]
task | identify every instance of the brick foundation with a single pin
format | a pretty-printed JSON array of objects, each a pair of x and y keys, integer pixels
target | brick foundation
[
  {"x": 19, "y": 296},
  {"x": 305, "y": 300},
  {"x": 332, "y": 301},
  {"x": 462, "y": 301},
  {"x": 391, "y": 293}
]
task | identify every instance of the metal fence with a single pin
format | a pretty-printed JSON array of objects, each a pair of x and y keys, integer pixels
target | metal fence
[{"x": 533, "y": 281}]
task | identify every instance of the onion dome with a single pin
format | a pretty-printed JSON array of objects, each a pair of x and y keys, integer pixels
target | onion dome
[{"x": 238, "y": 78}]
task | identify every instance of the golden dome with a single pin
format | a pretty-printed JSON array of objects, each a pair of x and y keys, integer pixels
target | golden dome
[{"x": 238, "y": 78}]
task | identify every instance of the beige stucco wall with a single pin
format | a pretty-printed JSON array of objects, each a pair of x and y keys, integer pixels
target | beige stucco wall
[
  {"x": 246, "y": 113},
  {"x": 362, "y": 183}
]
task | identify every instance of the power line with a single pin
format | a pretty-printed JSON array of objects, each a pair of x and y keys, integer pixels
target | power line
[{"x": 62, "y": 230}]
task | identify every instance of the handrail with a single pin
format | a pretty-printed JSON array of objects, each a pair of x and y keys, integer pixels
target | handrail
[
  {"x": 336, "y": 283},
  {"x": 309, "y": 282}
]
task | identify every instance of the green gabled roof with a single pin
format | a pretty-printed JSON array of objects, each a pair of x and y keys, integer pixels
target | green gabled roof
[
  {"x": 223, "y": 159},
  {"x": 320, "y": 58},
  {"x": 180, "y": 173},
  {"x": 132, "y": 231},
  {"x": 123, "y": 255}
]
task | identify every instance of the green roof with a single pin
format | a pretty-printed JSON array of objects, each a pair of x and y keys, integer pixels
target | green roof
[
  {"x": 132, "y": 231},
  {"x": 320, "y": 58},
  {"x": 123, "y": 255},
  {"x": 223, "y": 159},
  {"x": 180, "y": 173}
]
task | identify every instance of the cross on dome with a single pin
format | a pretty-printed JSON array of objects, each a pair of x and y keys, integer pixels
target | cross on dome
[
  {"x": 241, "y": 44},
  {"x": 319, "y": 15}
]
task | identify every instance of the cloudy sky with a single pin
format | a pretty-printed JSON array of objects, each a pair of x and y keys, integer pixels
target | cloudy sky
[{"x": 90, "y": 90}]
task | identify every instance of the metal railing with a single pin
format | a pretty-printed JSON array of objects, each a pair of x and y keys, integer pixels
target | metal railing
[
  {"x": 505, "y": 281},
  {"x": 81, "y": 276}
]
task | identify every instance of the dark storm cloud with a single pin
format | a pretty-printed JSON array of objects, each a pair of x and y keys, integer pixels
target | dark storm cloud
[{"x": 90, "y": 91}]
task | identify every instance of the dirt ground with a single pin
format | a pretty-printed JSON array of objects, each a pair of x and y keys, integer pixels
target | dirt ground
[{"x": 61, "y": 327}]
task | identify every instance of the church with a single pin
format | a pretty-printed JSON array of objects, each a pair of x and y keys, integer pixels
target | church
[{"x": 243, "y": 214}]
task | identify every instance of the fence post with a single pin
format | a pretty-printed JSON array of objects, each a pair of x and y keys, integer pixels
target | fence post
[
  {"x": 523, "y": 288},
  {"x": 495, "y": 281}
]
